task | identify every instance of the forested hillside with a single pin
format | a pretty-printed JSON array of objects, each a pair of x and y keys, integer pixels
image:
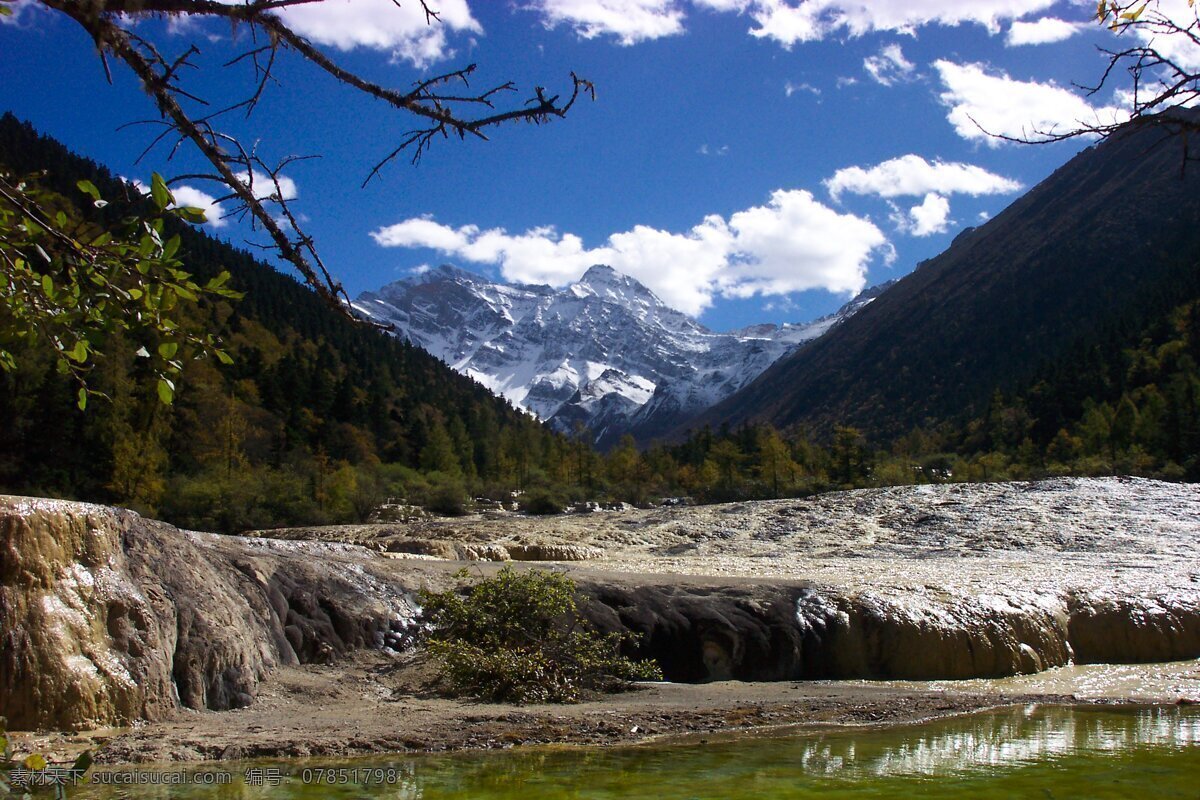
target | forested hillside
[
  {"x": 1105, "y": 247},
  {"x": 317, "y": 419}
]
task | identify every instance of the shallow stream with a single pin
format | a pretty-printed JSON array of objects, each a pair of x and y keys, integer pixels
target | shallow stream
[{"x": 1029, "y": 751}]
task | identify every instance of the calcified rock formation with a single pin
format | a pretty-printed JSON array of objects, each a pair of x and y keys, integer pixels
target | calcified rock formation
[{"x": 108, "y": 617}]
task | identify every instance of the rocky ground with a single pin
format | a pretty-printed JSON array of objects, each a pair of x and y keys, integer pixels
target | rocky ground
[
  {"x": 367, "y": 704},
  {"x": 976, "y": 537},
  {"x": 200, "y": 646}
]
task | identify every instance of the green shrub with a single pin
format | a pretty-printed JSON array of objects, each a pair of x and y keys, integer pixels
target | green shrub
[
  {"x": 519, "y": 637},
  {"x": 542, "y": 502},
  {"x": 448, "y": 497}
]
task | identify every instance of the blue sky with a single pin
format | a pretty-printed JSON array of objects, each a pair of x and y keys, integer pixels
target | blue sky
[{"x": 749, "y": 160}]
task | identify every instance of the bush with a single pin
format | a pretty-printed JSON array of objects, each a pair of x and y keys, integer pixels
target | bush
[
  {"x": 448, "y": 497},
  {"x": 542, "y": 502},
  {"x": 519, "y": 637}
]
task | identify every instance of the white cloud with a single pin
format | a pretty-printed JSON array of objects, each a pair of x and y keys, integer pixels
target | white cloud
[
  {"x": 383, "y": 25},
  {"x": 264, "y": 188},
  {"x": 931, "y": 216},
  {"x": 784, "y": 21},
  {"x": 790, "y": 89},
  {"x": 790, "y": 244},
  {"x": 984, "y": 105},
  {"x": 188, "y": 196},
  {"x": 789, "y": 22},
  {"x": 912, "y": 175},
  {"x": 630, "y": 21},
  {"x": 18, "y": 8},
  {"x": 890, "y": 66},
  {"x": 796, "y": 243},
  {"x": 705, "y": 150},
  {"x": 191, "y": 196},
  {"x": 1042, "y": 31}
]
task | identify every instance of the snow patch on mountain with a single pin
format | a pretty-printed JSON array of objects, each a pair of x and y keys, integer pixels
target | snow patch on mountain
[{"x": 603, "y": 352}]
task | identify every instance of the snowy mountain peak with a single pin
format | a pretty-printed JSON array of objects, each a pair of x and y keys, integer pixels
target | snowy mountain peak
[
  {"x": 604, "y": 274},
  {"x": 605, "y": 283},
  {"x": 604, "y": 351}
]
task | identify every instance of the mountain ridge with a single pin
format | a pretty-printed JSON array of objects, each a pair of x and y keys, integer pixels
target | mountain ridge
[{"x": 603, "y": 352}]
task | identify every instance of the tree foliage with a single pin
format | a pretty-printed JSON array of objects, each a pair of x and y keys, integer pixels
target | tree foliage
[
  {"x": 317, "y": 420},
  {"x": 74, "y": 285},
  {"x": 519, "y": 637}
]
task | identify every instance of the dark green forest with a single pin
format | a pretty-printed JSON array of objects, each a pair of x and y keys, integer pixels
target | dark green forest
[{"x": 320, "y": 419}]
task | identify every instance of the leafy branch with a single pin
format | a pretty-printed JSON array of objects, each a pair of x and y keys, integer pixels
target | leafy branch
[{"x": 66, "y": 281}]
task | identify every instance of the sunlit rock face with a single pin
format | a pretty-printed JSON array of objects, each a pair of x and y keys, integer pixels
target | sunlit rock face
[
  {"x": 109, "y": 617},
  {"x": 920, "y": 582},
  {"x": 81, "y": 640}
]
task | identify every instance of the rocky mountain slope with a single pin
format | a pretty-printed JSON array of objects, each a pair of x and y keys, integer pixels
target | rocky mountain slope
[
  {"x": 1103, "y": 246},
  {"x": 603, "y": 352}
]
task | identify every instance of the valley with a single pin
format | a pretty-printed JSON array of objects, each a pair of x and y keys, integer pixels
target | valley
[{"x": 775, "y": 433}]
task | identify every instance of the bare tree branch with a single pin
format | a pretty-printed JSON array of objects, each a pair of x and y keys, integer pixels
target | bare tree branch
[
  {"x": 1160, "y": 85},
  {"x": 110, "y": 24}
]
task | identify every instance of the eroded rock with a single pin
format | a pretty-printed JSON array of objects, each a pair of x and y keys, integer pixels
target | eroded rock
[{"x": 109, "y": 617}]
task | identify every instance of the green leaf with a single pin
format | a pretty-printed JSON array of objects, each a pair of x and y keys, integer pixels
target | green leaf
[
  {"x": 171, "y": 247},
  {"x": 5, "y": 11},
  {"x": 219, "y": 281},
  {"x": 35, "y": 762},
  {"x": 89, "y": 188},
  {"x": 166, "y": 391},
  {"x": 168, "y": 350},
  {"x": 48, "y": 285},
  {"x": 83, "y": 763},
  {"x": 82, "y": 401},
  {"x": 160, "y": 192},
  {"x": 192, "y": 214},
  {"x": 223, "y": 357},
  {"x": 79, "y": 352}
]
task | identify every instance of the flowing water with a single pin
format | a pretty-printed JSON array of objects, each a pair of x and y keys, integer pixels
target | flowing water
[{"x": 1032, "y": 751}]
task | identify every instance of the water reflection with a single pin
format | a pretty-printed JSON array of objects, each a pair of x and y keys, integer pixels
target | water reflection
[{"x": 1063, "y": 751}]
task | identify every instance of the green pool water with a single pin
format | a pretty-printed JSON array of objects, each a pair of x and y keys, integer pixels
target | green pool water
[{"x": 1035, "y": 751}]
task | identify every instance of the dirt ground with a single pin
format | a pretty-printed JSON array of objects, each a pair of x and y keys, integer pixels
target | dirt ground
[{"x": 375, "y": 704}]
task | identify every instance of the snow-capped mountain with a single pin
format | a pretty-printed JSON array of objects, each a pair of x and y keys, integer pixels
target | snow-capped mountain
[{"x": 603, "y": 351}]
